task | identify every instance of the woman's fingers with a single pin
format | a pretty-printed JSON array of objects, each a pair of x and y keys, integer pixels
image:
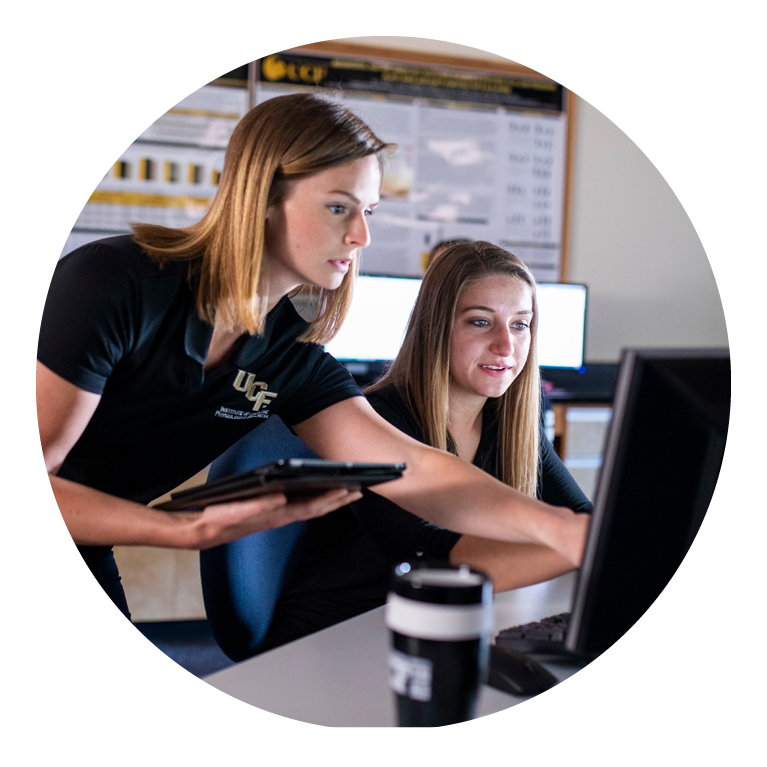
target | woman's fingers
[
  {"x": 226, "y": 522},
  {"x": 316, "y": 507},
  {"x": 576, "y": 541}
]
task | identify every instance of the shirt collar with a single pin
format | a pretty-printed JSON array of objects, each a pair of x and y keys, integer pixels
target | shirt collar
[
  {"x": 199, "y": 333},
  {"x": 197, "y": 336},
  {"x": 254, "y": 346}
]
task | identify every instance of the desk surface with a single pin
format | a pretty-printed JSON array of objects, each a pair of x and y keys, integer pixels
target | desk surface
[{"x": 339, "y": 676}]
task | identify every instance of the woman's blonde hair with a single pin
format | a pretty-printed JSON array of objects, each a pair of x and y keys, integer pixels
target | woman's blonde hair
[
  {"x": 281, "y": 140},
  {"x": 421, "y": 372}
]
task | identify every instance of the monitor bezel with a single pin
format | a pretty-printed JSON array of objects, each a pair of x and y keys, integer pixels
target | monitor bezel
[{"x": 614, "y": 456}]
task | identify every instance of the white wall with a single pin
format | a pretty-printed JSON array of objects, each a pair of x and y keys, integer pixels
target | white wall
[{"x": 631, "y": 241}]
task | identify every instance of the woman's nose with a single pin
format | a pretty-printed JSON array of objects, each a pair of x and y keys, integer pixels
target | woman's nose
[
  {"x": 502, "y": 341},
  {"x": 358, "y": 233}
]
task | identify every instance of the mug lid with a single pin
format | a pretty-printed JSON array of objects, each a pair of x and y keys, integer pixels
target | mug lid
[{"x": 441, "y": 583}]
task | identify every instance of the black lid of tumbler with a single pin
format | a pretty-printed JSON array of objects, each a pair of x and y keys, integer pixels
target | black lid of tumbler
[{"x": 441, "y": 583}]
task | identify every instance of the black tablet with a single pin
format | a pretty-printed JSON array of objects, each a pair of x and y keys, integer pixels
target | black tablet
[{"x": 298, "y": 478}]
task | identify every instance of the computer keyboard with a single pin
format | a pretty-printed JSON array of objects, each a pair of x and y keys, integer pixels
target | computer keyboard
[{"x": 547, "y": 635}]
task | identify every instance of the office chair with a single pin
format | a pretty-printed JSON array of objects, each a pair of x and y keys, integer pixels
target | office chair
[{"x": 242, "y": 580}]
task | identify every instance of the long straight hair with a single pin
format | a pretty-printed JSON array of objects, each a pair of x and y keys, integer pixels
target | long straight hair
[
  {"x": 281, "y": 140},
  {"x": 421, "y": 371}
]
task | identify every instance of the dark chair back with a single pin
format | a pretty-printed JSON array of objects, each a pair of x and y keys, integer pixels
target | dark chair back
[{"x": 242, "y": 580}]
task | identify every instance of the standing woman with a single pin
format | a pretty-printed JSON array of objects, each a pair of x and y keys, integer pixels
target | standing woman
[
  {"x": 160, "y": 350},
  {"x": 466, "y": 380}
]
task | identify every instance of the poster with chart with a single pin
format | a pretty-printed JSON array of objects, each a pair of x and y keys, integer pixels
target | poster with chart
[
  {"x": 479, "y": 155},
  {"x": 128, "y": 130}
]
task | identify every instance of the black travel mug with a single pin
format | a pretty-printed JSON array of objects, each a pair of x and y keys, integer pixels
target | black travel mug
[{"x": 440, "y": 618}]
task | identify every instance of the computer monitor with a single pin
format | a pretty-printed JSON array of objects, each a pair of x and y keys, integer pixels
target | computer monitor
[
  {"x": 561, "y": 324},
  {"x": 374, "y": 328},
  {"x": 661, "y": 461}
]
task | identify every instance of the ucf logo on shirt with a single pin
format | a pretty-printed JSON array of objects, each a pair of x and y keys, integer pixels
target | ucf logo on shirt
[{"x": 255, "y": 391}]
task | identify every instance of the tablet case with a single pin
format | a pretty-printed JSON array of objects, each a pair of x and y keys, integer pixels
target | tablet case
[{"x": 298, "y": 478}]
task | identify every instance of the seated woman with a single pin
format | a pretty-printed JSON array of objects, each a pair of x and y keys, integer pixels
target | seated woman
[{"x": 466, "y": 380}]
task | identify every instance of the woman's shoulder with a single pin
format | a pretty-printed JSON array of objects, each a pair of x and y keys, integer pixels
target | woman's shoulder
[
  {"x": 385, "y": 394},
  {"x": 121, "y": 246},
  {"x": 118, "y": 266},
  {"x": 389, "y": 403},
  {"x": 387, "y": 398},
  {"x": 120, "y": 257}
]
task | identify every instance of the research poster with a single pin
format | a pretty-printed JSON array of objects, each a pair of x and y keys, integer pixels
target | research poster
[
  {"x": 128, "y": 130},
  {"x": 478, "y": 155}
]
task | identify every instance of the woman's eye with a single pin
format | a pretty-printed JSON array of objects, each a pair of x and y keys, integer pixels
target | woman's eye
[
  {"x": 479, "y": 323},
  {"x": 337, "y": 209},
  {"x": 369, "y": 213},
  {"x": 520, "y": 326}
]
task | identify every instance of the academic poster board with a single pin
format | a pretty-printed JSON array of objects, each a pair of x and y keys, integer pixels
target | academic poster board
[{"x": 481, "y": 154}]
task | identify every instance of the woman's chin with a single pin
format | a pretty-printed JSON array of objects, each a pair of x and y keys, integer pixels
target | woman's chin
[{"x": 333, "y": 282}]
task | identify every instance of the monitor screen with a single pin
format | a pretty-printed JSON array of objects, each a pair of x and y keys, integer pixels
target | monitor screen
[
  {"x": 377, "y": 320},
  {"x": 376, "y": 323},
  {"x": 661, "y": 462},
  {"x": 561, "y": 324}
]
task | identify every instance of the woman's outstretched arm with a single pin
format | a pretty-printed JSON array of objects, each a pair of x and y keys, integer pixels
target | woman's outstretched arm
[
  {"x": 510, "y": 565},
  {"x": 440, "y": 487}
]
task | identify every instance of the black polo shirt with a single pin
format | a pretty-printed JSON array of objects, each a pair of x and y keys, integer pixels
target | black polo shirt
[{"x": 117, "y": 324}]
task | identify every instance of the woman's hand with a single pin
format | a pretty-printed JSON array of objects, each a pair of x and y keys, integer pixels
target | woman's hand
[
  {"x": 567, "y": 534},
  {"x": 577, "y": 542},
  {"x": 226, "y": 522}
]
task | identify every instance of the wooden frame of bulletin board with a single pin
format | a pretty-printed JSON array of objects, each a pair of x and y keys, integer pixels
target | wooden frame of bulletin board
[
  {"x": 134, "y": 129},
  {"x": 485, "y": 148}
]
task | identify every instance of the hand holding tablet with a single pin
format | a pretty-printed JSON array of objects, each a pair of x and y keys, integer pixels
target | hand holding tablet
[{"x": 297, "y": 478}]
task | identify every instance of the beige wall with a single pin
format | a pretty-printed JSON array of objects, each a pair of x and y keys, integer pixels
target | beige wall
[{"x": 631, "y": 241}]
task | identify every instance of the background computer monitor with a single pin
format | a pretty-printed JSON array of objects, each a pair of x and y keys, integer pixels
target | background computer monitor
[
  {"x": 375, "y": 325},
  {"x": 561, "y": 324},
  {"x": 373, "y": 330},
  {"x": 662, "y": 457}
]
